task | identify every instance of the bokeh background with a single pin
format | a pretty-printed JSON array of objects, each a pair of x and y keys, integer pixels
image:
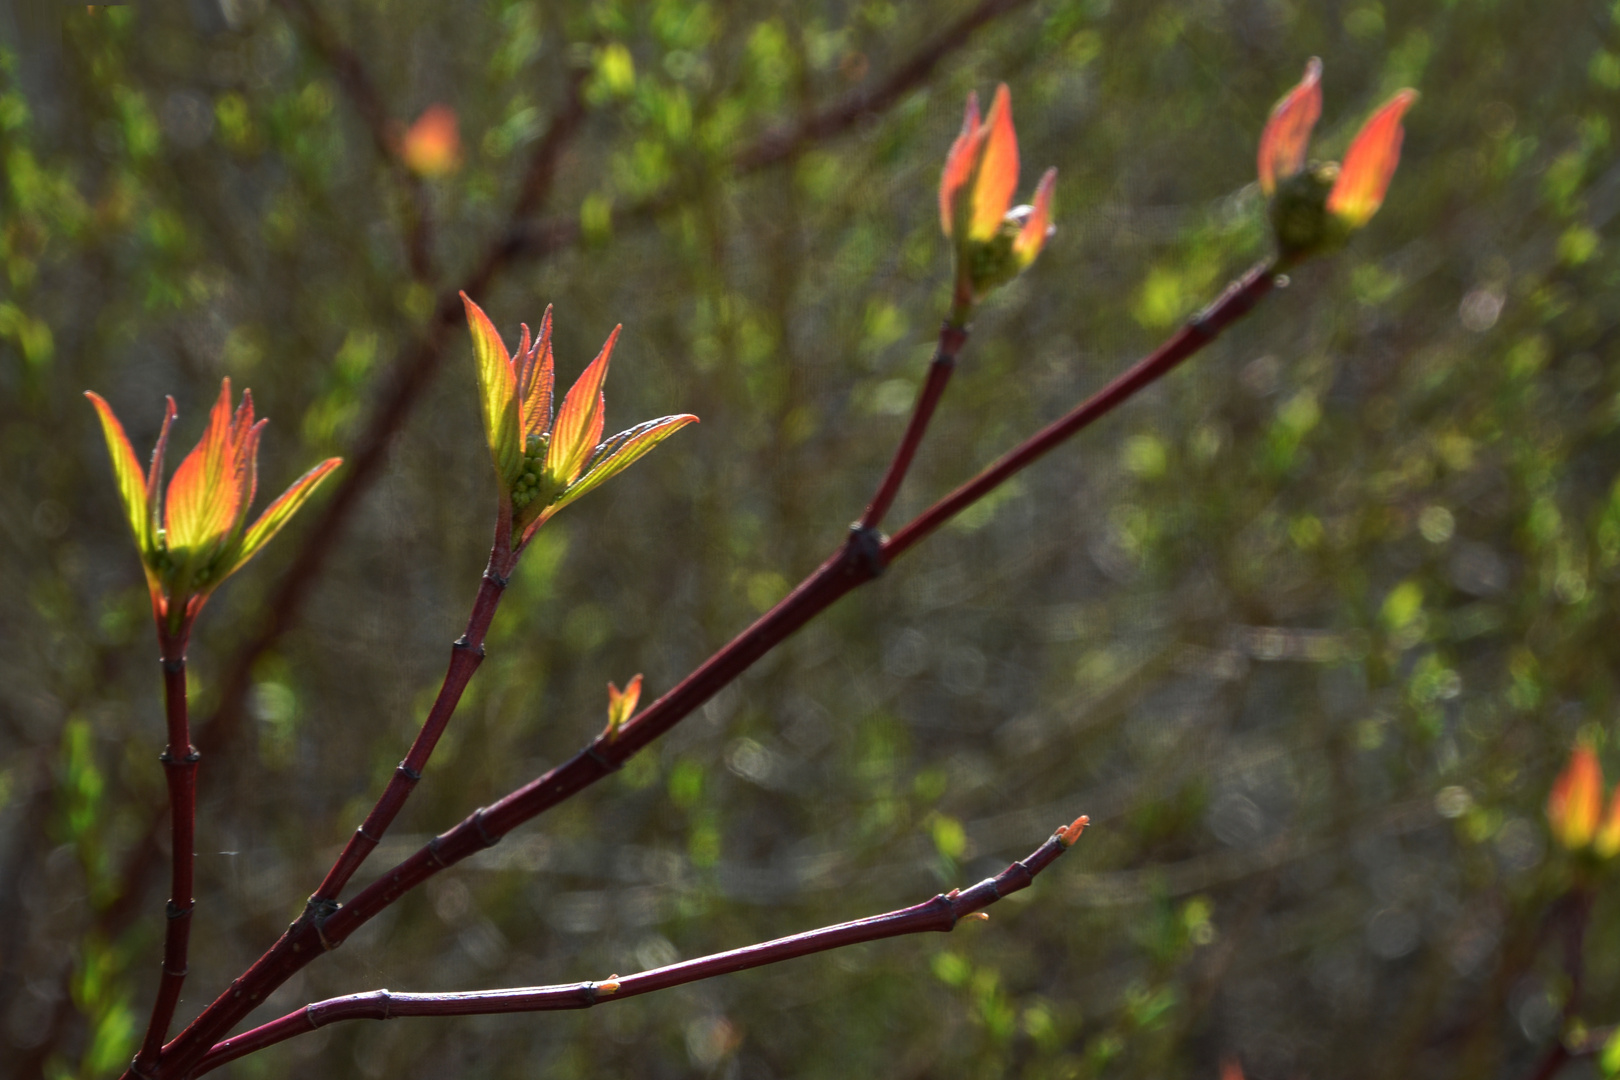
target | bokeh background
[{"x": 1308, "y": 629}]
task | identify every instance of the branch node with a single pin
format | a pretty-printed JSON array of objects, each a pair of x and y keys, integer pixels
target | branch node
[
  {"x": 607, "y": 763},
  {"x": 175, "y": 911},
  {"x": 135, "y": 1069},
  {"x": 317, "y": 909},
  {"x": 866, "y": 548},
  {"x": 496, "y": 580},
  {"x": 483, "y": 833},
  {"x": 173, "y": 666},
  {"x": 433, "y": 853},
  {"x": 1199, "y": 326},
  {"x": 951, "y": 340},
  {"x": 408, "y": 773},
  {"x": 463, "y": 644}
]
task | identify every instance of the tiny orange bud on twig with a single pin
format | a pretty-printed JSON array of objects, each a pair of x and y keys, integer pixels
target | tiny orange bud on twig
[{"x": 1071, "y": 832}]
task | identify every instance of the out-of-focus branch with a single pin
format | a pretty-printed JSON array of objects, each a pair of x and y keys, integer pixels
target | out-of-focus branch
[
  {"x": 786, "y": 141},
  {"x": 362, "y": 92},
  {"x": 940, "y": 914},
  {"x": 783, "y": 143}
]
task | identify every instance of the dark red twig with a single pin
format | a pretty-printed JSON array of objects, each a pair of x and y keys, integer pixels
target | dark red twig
[
  {"x": 180, "y": 769},
  {"x": 465, "y": 656},
  {"x": 1239, "y": 298},
  {"x": 940, "y": 914},
  {"x": 951, "y": 339},
  {"x": 861, "y": 559}
]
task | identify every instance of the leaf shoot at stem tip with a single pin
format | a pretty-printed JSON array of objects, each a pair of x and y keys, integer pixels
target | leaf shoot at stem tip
[
  {"x": 544, "y": 461},
  {"x": 196, "y": 536}
]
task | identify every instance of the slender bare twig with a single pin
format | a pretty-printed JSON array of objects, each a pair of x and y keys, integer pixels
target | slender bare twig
[
  {"x": 465, "y": 656},
  {"x": 940, "y": 914},
  {"x": 951, "y": 339},
  {"x": 861, "y": 559},
  {"x": 180, "y": 768},
  {"x": 1239, "y": 298}
]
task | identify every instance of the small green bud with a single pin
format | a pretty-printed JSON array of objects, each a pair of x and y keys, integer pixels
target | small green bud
[{"x": 1299, "y": 214}]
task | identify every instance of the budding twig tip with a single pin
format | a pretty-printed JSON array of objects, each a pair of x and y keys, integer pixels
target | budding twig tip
[{"x": 1068, "y": 834}]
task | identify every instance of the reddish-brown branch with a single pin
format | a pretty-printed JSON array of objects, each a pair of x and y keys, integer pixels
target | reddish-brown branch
[
  {"x": 940, "y": 914},
  {"x": 180, "y": 769},
  {"x": 951, "y": 339},
  {"x": 465, "y": 656},
  {"x": 861, "y": 559},
  {"x": 1239, "y": 298}
]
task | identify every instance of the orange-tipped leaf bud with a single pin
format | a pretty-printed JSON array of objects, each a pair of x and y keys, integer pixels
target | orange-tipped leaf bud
[
  {"x": 1370, "y": 164},
  {"x": 1576, "y": 799}
]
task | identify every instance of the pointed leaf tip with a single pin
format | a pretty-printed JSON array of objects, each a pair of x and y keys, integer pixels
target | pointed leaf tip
[
  {"x": 276, "y": 515},
  {"x": 126, "y": 471},
  {"x": 1576, "y": 799},
  {"x": 997, "y": 169},
  {"x": 1037, "y": 227},
  {"x": 1071, "y": 832},
  {"x": 497, "y": 386},
  {"x": 204, "y": 497},
  {"x": 1288, "y": 131},
  {"x": 1607, "y": 841},
  {"x": 959, "y": 164},
  {"x": 579, "y": 421},
  {"x": 615, "y": 455},
  {"x": 1370, "y": 163}
]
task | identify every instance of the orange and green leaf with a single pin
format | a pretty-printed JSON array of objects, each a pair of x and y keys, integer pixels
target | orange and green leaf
[
  {"x": 1288, "y": 131},
  {"x": 1032, "y": 234},
  {"x": 579, "y": 421},
  {"x": 154, "y": 477},
  {"x": 617, "y": 454},
  {"x": 126, "y": 471},
  {"x": 622, "y": 704},
  {"x": 432, "y": 145},
  {"x": 1607, "y": 841},
  {"x": 997, "y": 173},
  {"x": 534, "y": 380},
  {"x": 497, "y": 386},
  {"x": 1576, "y": 799},
  {"x": 959, "y": 164},
  {"x": 209, "y": 493},
  {"x": 1370, "y": 164},
  {"x": 275, "y": 516}
]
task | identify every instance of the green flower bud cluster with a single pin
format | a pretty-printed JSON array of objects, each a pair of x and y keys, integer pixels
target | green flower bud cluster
[
  {"x": 1300, "y": 216},
  {"x": 530, "y": 482},
  {"x": 992, "y": 263}
]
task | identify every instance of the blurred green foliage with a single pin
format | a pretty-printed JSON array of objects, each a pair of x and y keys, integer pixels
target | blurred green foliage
[{"x": 1307, "y": 630}]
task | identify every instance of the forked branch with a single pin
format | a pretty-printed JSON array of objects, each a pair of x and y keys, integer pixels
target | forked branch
[{"x": 861, "y": 559}]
